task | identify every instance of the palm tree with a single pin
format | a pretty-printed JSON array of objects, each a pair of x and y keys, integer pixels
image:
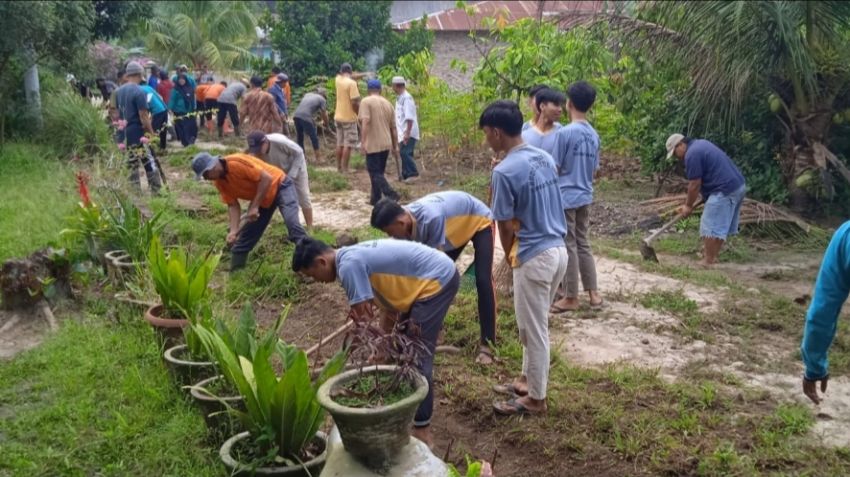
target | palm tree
[
  {"x": 796, "y": 50},
  {"x": 206, "y": 34}
]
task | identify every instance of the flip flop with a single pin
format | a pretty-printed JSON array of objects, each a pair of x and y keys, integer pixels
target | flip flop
[
  {"x": 509, "y": 390},
  {"x": 597, "y": 306},
  {"x": 511, "y": 408},
  {"x": 557, "y": 310},
  {"x": 488, "y": 354}
]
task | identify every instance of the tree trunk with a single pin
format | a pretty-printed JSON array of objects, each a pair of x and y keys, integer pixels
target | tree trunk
[
  {"x": 33, "y": 91},
  {"x": 807, "y": 130}
]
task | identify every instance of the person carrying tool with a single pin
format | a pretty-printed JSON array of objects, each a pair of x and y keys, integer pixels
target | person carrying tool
[
  {"x": 712, "y": 173},
  {"x": 831, "y": 290},
  {"x": 448, "y": 221},
  {"x": 407, "y": 278},
  {"x": 530, "y": 218},
  {"x": 243, "y": 177},
  {"x": 305, "y": 118},
  {"x": 281, "y": 152},
  {"x": 131, "y": 102}
]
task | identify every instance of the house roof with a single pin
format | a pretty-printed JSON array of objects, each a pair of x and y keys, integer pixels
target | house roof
[{"x": 456, "y": 19}]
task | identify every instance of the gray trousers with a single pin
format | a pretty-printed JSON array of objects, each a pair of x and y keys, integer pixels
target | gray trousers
[
  {"x": 286, "y": 202},
  {"x": 578, "y": 248},
  {"x": 535, "y": 283}
]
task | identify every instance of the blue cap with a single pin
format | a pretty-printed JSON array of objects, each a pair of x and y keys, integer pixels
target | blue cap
[
  {"x": 373, "y": 84},
  {"x": 203, "y": 162}
]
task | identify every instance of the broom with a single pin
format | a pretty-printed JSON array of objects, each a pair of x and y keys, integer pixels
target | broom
[{"x": 503, "y": 275}]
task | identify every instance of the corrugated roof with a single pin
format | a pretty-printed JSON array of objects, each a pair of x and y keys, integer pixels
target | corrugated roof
[{"x": 456, "y": 19}]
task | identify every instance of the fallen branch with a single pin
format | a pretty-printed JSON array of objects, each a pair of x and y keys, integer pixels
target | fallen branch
[{"x": 44, "y": 308}]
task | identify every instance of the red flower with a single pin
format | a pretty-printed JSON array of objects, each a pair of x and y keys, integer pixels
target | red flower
[{"x": 83, "y": 188}]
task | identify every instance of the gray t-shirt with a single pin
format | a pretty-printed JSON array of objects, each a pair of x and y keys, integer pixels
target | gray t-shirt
[
  {"x": 130, "y": 98},
  {"x": 232, "y": 93},
  {"x": 310, "y": 104},
  {"x": 285, "y": 154}
]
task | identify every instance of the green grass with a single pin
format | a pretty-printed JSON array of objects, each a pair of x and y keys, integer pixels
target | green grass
[
  {"x": 323, "y": 180},
  {"x": 629, "y": 416},
  {"x": 357, "y": 161},
  {"x": 475, "y": 184},
  {"x": 95, "y": 399},
  {"x": 37, "y": 193}
]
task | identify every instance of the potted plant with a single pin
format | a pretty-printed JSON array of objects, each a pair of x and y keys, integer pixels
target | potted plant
[
  {"x": 282, "y": 415},
  {"x": 181, "y": 282},
  {"x": 130, "y": 236},
  {"x": 88, "y": 227},
  {"x": 373, "y": 406}
]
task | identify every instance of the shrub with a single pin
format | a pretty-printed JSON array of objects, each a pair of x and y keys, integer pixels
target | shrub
[
  {"x": 180, "y": 279},
  {"x": 73, "y": 126}
]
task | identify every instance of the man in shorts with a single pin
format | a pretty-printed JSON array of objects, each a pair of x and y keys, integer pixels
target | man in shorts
[
  {"x": 345, "y": 116},
  {"x": 712, "y": 174}
]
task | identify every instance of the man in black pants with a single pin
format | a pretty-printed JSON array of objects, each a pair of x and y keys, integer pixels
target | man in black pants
[
  {"x": 448, "y": 221},
  {"x": 377, "y": 118}
]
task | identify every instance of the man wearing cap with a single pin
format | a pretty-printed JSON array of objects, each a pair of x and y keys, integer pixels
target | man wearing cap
[
  {"x": 712, "y": 174},
  {"x": 281, "y": 152},
  {"x": 407, "y": 126},
  {"x": 379, "y": 138},
  {"x": 305, "y": 118},
  {"x": 345, "y": 116},
  {"x": 227, "y": 101},
  {"x": 279, "y": 95},
  {"x": 258, "y": 109},
  {"x": 131, "y": 103},
  {"x": 243, "y": 177}
]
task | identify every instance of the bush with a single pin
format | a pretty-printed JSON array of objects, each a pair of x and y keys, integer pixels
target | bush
[{"x": 74, "y": 126}]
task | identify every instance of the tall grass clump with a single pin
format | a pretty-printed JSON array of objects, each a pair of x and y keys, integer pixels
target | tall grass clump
[{"x": 73, "y": 125}]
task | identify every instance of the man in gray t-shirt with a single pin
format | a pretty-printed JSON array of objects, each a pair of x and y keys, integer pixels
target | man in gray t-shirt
[
  {"x": 304, "y": 117},
  {"x": 227, "y": 106}
]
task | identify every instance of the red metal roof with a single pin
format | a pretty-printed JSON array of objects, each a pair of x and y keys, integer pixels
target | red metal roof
[{"x": 456, "y": 19}]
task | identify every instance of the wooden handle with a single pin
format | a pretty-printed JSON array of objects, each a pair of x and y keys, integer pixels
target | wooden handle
[
  {"x": 669, "y": 224},
  {"x": 342, "y": 329}
]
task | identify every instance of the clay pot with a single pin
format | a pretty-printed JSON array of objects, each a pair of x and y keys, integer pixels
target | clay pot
[
  {"x": 214, "y": 408},
  {"x": 170, "y": 330},
  {"x": 374, "y": 436},
  {"x": 311, "y": 468},
  {"x": 120, "y": 267},
  {"x": 187, "y": 372}
]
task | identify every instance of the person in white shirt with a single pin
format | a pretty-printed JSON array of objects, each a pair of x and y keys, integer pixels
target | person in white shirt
[
  {"x": 285, "y": 154},
  {"x": 407, "y": 126}
]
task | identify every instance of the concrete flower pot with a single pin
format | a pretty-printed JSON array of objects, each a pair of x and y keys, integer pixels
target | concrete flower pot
[
  {"x": 311, "y": 468},
  {"x": 170, "y": 330},
  {"x": 185, "y": 371},
  {"x": 214, "y": 408},
  {"x": 374, "y": 436},
  {"x": 120, "y": 267}
]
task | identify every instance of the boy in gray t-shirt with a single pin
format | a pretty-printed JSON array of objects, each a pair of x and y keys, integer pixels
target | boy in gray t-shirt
[{"x": 304, "y": 117}]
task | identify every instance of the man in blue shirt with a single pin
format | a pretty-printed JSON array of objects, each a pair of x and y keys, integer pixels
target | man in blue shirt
[
  {"x": 712, "y": 174},
  {"x": 280, "y": 98},
  {"x": 831, "y": 290},
  {"x": 132, "y": 106},
  {"x": 577, "y": 160},
  {"x": 407, "y": 278},
  {"x": 448, "y": 221},
  {"x": 530, "y": 218},
  {"x": 153, "y": 79}
]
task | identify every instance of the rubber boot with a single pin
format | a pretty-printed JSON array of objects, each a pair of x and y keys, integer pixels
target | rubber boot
[
  {"x": 238, "y": 261},
  {"x": 220, "y": 132},
  {"x": 236, "y": 132}
]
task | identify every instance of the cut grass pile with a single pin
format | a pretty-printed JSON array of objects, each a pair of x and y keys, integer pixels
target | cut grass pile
[{"x": 37, "y": 192}]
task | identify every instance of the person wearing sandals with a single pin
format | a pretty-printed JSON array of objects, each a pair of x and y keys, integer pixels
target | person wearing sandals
[
  {"x": 527, "y": 209},
  {"x": 409, "y": 279},
  {"x": 577, "y": 161},
  {"x": 448, "y": 221}
]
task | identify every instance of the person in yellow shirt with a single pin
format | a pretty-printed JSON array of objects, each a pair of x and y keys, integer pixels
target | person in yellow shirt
[{"x": 345, "y": 117}]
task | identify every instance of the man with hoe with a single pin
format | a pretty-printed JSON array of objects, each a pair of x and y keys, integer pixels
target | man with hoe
[
  {"x": 305, "y": 118},
  {"x": 131, "y": 103},
  {"x": 281, "y": 152},
  {"x": 258, "y": 110},
  {"x": 243, "y": 177},
  {"x": 448, "y": 221},
  {"x": 712, "y": 174}
]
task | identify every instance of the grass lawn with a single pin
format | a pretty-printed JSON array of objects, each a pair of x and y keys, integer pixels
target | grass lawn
[{"x": 37, "y": 192}]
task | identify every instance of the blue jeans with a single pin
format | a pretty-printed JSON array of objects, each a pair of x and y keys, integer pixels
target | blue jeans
[
  {"x": 720, "y": 217},
  {"x": 286, "y": 202},
  {"x": 408, "y": 165}
]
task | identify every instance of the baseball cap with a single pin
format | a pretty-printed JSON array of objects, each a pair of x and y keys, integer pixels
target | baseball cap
[
  {"x": 203, "y": 162},
  {"x": 672, "y": 142},
  {"x": 282, "y": 78},
  {"x": 255, "y": 141},
  {"x": 399, "y": 80},
  {"x": 373, "y": 84},
  {"x": 133, "y": 68}
]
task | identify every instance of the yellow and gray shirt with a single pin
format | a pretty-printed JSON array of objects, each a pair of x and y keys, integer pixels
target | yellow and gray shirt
[
  {"x": 395, "y": 273},
  {"x": 448, "y": 220}
]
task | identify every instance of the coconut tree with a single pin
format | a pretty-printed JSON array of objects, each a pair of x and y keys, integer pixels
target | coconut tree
[
  {"x": 795, "y": 53},
  {"x": 204, "y": 34}
]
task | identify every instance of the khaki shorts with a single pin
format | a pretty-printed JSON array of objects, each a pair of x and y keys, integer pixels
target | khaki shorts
[{"x": 347, "y": 134}]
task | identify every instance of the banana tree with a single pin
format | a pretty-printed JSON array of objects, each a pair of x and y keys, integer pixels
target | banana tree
[{"x": 794, "y": 52}]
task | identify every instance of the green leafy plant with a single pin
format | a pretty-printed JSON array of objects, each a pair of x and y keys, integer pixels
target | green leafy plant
[
  {"x": 130, "y": 231},
  {"x": 87, "y": 227},
  {"x": 473, "y": 469},
  {"x": 180, "y": 279},
  {"x": 282, "y": 412},
  {"x": 73, "y": 125}
]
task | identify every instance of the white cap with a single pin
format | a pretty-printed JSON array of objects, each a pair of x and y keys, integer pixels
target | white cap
[
  {"x": 672, "y": 142},
  {"x": 398, "y": 80},
  {"x": 69, "y": 77}
]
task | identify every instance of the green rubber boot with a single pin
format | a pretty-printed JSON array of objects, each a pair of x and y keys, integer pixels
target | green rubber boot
[{"x": 238, "y": 261}]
